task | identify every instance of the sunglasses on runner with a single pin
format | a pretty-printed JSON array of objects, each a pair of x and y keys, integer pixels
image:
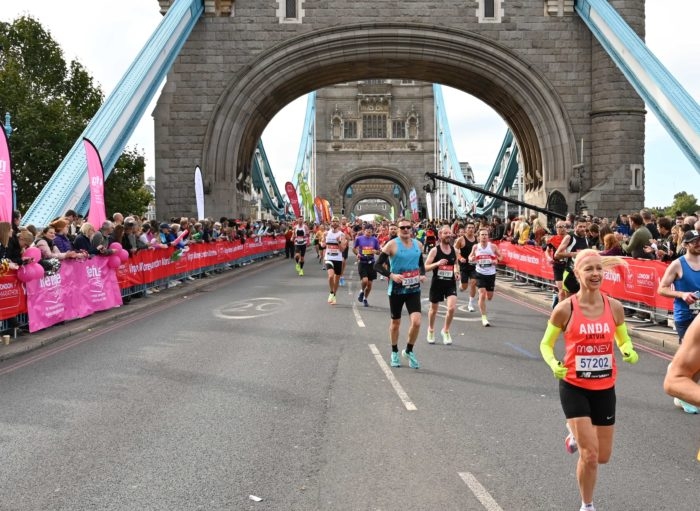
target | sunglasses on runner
[{"x": 404, "y": 227}]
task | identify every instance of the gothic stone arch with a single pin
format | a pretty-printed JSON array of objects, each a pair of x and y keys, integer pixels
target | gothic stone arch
[
  {"x": 384, "y": 173},
  {"x": 547, "y": 103},
  {"x": 388, "y": 198}
]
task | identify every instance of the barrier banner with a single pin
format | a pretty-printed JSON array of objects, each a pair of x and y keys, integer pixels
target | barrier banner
[
  {"x": 12, "y": 296},
  {"x": 147, "y": 266},
  {"x": 637, "y": 282},
  {"x": 84, "y": 287},
  {"x": 79, "y": 289}
]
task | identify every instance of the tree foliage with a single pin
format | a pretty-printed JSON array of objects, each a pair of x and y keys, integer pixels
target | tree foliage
[
  {"x": 50, "y": 101},
  {"x": 124, "y": 188},
  {"x": 683, "y": 202}
]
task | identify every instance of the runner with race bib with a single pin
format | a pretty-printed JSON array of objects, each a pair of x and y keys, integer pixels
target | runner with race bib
[{"x": 592, "y": 324}]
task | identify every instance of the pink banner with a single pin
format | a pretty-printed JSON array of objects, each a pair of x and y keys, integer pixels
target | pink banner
[
  {"x": 53, "y": 304},
  {"x": 6, "y": 202},
  {"x": 293, "y": 198},
  {"x": 97, "y": 214},
  {"x": 79, "y": 289}
]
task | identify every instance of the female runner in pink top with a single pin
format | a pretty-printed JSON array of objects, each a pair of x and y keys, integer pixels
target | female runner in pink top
[{"x": 591, "y": 322}]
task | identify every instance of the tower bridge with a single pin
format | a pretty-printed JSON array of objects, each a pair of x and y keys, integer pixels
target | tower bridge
[{"x": 565, "y": 76}]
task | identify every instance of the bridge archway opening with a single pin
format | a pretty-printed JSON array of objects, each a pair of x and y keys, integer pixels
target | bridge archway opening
[{"x": 466, "y": 61}]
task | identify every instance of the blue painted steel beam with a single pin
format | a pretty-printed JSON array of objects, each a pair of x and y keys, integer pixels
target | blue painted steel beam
[
  {"x": 677, "y": 111},
  {"x": 116, "y": 120},
  {"x": 510, "y": 173},
  {"x": 448, "y": 155},
  {"x": 262, "y": 176},
  {"x": 497, "y": 166}
]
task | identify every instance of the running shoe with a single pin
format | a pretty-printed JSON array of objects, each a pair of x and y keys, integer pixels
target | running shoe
[
  {"x": 587, "y": 507},
  {"x": 301, "y": 273},
  {"x": 395, "y": 362},
  {"x": 470, "y": 307},
  {"x": 446, "y": 338},
  {"x": 430, "y": 337},
  {"x": 412, "y": 360},
  {"x": 361, "y": 296},
  {"x": 570, "y": 442},
  {"x": 333, "y": 300},
  {"x": 330, "y": 297},
  {"x": 687, "y": 407},
  {"x": 298, "y": 267},
  {"x": 485, "y": 321},
  {"x": 342, "y": 281},
  {"x": 364, "y": 302}
]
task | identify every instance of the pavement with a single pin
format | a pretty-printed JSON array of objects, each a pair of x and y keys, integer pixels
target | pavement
[{"x": 660, "y": 337}]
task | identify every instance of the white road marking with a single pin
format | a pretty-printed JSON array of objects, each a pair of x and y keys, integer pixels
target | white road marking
[
  {"x": 358, "y": 318},
  {"x": 480, "y": 492},
  {"x": 394, "y": 382}
]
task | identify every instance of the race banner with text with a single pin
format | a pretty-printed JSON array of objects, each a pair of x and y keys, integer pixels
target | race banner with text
[
  {"x": 147, "y": 266},
  {"x": 83, "y": 287},
  {"x": 79, "y": 289},
  {"x": 12, "y": 296},
  {"x": 637, "y": 282}
]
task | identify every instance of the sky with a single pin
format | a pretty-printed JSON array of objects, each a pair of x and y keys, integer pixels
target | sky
[{"x": 118, "y": 30}]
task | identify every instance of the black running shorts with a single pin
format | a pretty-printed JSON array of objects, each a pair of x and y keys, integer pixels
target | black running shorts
[
  {"x": 599, "y": 405},
  {"x": 396, "y": 303}
]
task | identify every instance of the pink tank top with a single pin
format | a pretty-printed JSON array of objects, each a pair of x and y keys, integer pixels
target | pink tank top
[{"x": 589, "y": 357}]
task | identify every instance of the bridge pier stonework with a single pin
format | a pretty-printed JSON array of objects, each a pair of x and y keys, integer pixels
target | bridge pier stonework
[{"x": 579, "y": 125}]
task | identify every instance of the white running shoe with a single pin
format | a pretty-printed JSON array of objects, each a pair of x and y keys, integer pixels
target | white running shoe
[
  {"x": 430, "y": 337},
  {"x": 446, "y": 338},
  {"x": 470, "y": 307},
  {"x": 485, "y": 321}
]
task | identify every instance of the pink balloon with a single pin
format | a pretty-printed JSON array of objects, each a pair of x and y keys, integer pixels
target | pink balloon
[
  {"x": 114, "y": 262},
  {"x": 123, "y": 255},
  {"x": 37, "y": 271},
  {"x": 116, "y": 246},
  {"x": 33, "y": 253},
  {"x": 24, "y": 273}
]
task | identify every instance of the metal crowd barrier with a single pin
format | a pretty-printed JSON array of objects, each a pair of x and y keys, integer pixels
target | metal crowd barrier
[{"x": 654, "y": 316}]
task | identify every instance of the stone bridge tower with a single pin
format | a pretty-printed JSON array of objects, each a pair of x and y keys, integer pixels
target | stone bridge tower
[
  {"x": 374, "y": 140},
  {"x": 579, "y": 125}
]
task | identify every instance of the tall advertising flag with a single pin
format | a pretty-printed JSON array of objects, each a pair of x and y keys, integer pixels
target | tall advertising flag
[
  {"x": 199, "y": 192},
  {"x": 413, "y": 199},
  {"x": 97, "y": 214},
  {"x": 429, "y": 205},
  {"x": 6, "y": 202},
  {"x": 293, "y": 199}
]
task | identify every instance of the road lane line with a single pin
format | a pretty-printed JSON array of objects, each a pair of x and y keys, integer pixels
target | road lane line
[
  {"x": 480, "y": 492},
  {"x": 358, "y": 318},
  {"x": 394, "y": 382}
]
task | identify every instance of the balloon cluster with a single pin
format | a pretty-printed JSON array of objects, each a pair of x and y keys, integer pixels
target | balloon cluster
[
  {"x": 31, "y": 270},
  {"x": 119, "y": 256}
]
